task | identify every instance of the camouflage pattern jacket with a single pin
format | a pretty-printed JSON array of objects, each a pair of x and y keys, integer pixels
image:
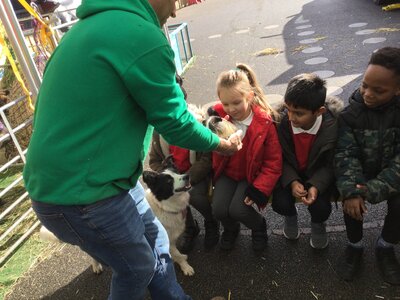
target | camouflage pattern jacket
[
  {"x": 319, "y": 171},
  {"x": 368, "y": 150}
]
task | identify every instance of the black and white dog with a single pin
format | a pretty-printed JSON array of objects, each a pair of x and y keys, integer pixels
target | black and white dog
[{"x": 168, "y": 197}]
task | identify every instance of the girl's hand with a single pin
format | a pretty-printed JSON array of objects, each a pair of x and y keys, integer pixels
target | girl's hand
[
  {"x": 248, "y": 201},
  {"x": 355, "y": 207},
  {"x": 298, "y": 189},
  {"x": 311, "y": 196}
]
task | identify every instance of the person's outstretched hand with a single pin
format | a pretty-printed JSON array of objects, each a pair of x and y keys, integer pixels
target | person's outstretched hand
[{"x": 230, "y": 146}]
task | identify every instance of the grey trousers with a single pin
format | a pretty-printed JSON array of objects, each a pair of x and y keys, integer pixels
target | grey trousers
[
  {"x": 199, "y": 199},
  {"x": 229, "y": 208}
]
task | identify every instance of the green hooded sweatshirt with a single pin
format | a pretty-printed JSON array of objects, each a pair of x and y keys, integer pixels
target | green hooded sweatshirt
[{"x": 111, "y": 76}]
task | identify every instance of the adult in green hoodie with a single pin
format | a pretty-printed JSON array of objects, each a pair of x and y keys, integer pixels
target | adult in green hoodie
[{"x": 108, "y": 83}]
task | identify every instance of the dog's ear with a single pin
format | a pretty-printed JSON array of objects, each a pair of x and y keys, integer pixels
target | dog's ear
[
  {"x": 150, "y": 178},
  {"x": 212, "y": 112},
  {"x": 160, "y": 184},
  {"x": 212, "y": 123},
  {"x": 168, "y": 163}
]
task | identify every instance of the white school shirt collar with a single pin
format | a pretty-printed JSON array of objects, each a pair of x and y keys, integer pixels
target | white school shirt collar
[
  {"x": 246, "y": 121},
  {"x": 313, "y": 130},
  {"x": 244, "y": 124}
]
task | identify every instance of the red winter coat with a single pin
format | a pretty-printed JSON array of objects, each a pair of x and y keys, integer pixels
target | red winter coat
[{"x": 264, "y": 156}]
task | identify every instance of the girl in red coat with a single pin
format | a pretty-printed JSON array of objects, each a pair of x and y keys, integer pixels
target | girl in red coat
[{"x": 249, "y": 176}]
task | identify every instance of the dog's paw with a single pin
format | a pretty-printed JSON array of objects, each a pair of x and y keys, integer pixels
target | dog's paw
[
  {"x": 97, "y": 267},
  {"x": 47, "y": 235},
  {"x": 187, "y": 269}
]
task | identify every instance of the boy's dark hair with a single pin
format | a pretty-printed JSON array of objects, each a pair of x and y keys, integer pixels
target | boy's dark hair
[
  {"x": 388, "y": 57},
  {"x": 306, "y": 91}
]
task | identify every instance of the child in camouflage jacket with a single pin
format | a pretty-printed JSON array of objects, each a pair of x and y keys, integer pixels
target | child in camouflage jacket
[{"x": 367, "y": 162}]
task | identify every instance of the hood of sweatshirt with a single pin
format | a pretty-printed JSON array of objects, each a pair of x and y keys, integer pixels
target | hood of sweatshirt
[{"x": 140, "y": 7}]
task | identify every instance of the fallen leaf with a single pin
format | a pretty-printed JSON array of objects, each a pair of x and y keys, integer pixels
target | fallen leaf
[
  {"x": 315, "y": 296},
  {"x": 268, "y": 51},
  {"x": 387, "y": 29},
  {"x": 299, "y": 48}
]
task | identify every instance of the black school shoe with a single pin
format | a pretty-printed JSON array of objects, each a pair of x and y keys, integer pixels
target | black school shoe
[
  {"x": 228, "y": 238},
  {"x": 388, "y": 265},
  {"x": 211, "y": 236},
  {"x": 259, "y": 237},
  {"x": 186, "y": 241},
  {"x": 350, "y": 263}
]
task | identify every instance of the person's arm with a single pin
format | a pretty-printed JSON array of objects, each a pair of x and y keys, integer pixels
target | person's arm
[
  {"x": 348, "y": 168},
  {"x": 324, "y": 176},
  {"x": 270, "y": 169},
  {"x": 386, "y": 182},
  {"x": 289, "y": 172},
  {"x": 151, "y": 82}
]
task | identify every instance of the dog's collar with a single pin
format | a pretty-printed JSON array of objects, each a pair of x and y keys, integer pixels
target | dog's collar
[{"x": 183, "y": 212}]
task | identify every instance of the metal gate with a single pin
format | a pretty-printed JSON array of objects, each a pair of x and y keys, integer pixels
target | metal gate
[{"x": 17, "y": 219}]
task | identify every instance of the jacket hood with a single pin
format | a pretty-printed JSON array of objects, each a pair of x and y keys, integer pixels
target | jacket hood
[
  {"x": 358, "y": 101},
  {"x": 139, "y": 7},
  {"x": 334, "y": 104}
]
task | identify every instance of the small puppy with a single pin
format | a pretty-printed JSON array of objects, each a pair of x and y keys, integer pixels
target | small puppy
[
  {"x": 220, "y": 126},
  {"x": 47, "y": 235},
  {"x": 168, "y": 198}
]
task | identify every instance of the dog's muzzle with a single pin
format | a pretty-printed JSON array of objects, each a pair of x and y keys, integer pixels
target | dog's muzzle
[{"x": 183, "y": 183}]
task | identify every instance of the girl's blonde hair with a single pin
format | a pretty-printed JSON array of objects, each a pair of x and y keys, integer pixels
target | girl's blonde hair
[{"x": 244, "y": 80}]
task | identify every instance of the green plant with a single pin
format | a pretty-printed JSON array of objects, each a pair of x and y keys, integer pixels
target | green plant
[{"x": 23, "y": 259}]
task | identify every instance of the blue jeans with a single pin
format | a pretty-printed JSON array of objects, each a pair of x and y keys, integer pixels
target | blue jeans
[{"x": 123, "y": 233}]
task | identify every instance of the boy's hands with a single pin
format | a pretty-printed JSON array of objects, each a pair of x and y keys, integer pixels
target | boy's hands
[
  {"x": 355, "y": 207},
  {"x": 307, "y": 197},
  {"x": 248, "y": 201},
  {"x": 298, "y": 190},
  {"x": 311, "y": 196}
]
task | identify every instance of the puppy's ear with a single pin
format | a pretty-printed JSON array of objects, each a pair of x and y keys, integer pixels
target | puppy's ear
[
  {"x": 150, "y": 178},
  {"x": 212, "y": 112},
  {"x": 168, "y": 163}
]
